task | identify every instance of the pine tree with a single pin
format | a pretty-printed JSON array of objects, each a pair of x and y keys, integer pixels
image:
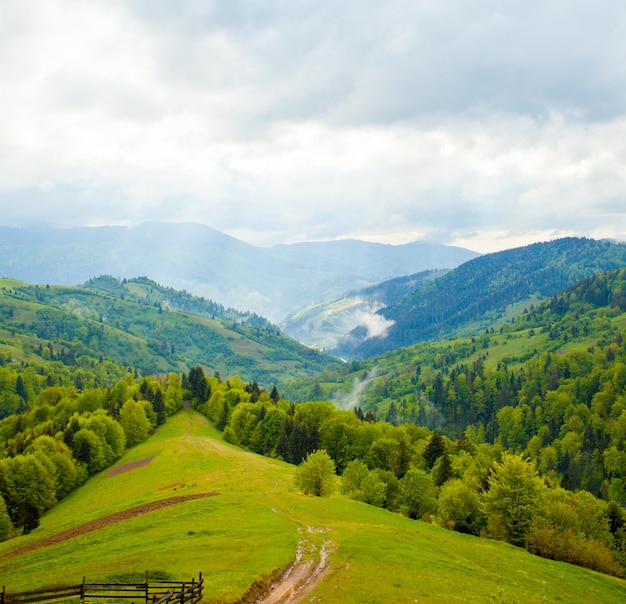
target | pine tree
[
  {"x": 444, "y": 470},
  {"x": 434, "y": 449}
]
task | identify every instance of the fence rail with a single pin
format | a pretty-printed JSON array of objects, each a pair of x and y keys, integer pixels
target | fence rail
[{"x": 155, "y": 592}]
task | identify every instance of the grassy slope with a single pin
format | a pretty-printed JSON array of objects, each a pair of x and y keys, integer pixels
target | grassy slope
[
  {"x": 251, "y": 530},
  {"x": 141, "y": 336}
]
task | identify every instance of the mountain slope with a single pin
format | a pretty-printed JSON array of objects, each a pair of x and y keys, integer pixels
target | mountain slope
[
  {"x": 379, "y": 262},
  {"x": 476, "y": 295},
  {"x": 154, "y": 340},
  {"x": 272, "y": 282},
  {"x": 323, "y": 325},
  {"x": 250, "y": 530}
]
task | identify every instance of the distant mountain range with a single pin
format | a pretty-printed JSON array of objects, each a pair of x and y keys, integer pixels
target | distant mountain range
[
  {"x": 481, "y": 293},
  {"x": 273, "y": 282}
]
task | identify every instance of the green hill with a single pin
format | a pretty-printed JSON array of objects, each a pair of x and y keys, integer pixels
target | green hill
[
  {"x": 137, "y": 324},
  {"x": 484, "y": 292},
  {"x": 250, "y": 530}
]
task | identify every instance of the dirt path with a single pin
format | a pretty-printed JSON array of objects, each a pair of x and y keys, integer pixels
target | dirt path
[
  {"x": 99, "y": 523},
  {"x": 301, "y": 578},
  {"x": 127, "y": 467}
]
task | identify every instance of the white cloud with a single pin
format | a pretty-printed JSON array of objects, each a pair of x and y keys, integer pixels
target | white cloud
[
  {"x": 484, "y": 124},
  {"x": 376, "y": 325}
]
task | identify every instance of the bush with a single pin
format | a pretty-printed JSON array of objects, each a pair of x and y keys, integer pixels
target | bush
[
  {"x": 459, "y": 507},
  {"x": 567, "y": 546},
  {"x": 418, "y": 494}
]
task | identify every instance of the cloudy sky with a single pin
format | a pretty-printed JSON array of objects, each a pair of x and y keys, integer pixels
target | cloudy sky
[{"x": 487, "y": 124}]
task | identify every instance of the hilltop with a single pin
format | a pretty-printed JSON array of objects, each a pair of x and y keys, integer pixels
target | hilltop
[{"x": 250, "y": 530}]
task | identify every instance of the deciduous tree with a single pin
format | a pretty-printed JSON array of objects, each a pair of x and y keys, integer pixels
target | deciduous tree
[{"x": 316, "y": 474}]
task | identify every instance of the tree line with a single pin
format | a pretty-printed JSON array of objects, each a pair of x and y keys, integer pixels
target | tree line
[{"x": 65, "y": 434}]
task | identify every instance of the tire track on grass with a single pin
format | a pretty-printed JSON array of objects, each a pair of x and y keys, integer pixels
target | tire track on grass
[{"x": 106, "y": 521}]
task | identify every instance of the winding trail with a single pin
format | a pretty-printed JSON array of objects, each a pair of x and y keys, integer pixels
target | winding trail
[{"x": 301, "y": 577}]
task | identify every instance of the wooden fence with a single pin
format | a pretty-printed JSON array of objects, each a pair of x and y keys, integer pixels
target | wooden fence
[{"x": 154, "y": 592}]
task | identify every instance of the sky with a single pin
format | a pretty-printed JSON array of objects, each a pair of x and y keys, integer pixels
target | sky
[{"x": 485, "y": 124}]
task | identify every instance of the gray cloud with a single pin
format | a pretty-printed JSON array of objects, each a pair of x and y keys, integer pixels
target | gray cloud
[{"x": 484, "y": 123}]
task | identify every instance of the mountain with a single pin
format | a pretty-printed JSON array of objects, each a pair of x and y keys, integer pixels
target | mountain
[
  {"x": 376, "y": 261},
  {"x": 136, "y": 323},
  {"x": 477, "y": 295},
  {"x": 272, "y": 282},
  {"x": 323, "y": 325}
]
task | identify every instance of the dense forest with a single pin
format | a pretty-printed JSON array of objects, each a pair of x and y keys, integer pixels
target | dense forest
[{"x": 550, "y": 383}]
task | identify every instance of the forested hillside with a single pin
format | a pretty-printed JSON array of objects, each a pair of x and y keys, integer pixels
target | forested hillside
[
  {"x": 445, "y": 441},
  {"x": 59, "y": 426},
  {"x": 136, "y": 324},
  {"x": 323, "y": 325},
  {"x": 463, "y": 484},
  {"x": 550, "y": 384},
  {"x": 477, "y": 294}
]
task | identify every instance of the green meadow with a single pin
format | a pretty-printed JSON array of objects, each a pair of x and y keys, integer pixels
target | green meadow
[{"x": 250, "y": 530}]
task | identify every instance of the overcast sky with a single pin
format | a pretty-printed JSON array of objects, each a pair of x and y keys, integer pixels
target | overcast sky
[{"x": 486, "y": 124}]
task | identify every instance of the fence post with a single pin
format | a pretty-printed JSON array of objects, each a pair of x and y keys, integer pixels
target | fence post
[
  {"x": 82, "y": 591},
  {"x": 146, "y": 585},
  {"x": 4, "y": 594}
]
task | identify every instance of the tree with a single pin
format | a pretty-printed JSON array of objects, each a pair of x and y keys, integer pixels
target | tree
[
  {"x": 353, "y": 476},
  {"x": 363, "y": 484},
  {"x": 29, "y": 490},
  {"x": 173, "y": 393},
  {"x": 444, "y": 469},
  {"x": 514, "y": 498},
  {"x": 159, "y": 407},
  {"x": 274, "y": 394},
  {"x": 134, "y": 422},
  {"x": 316, "y": 474},
  {"x": 88, "y": 448},
  {"x": 434, "y": 449},
  {"x": 109, "y": 432},
  {"x": 67, "y": 474},
  {"x": 6, "y": 526},
  {"x": 198, "y": 385},
  {"x": 418, "y": 494}
]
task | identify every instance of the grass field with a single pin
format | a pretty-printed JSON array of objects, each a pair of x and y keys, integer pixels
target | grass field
[{"x": 251, "y": 529}]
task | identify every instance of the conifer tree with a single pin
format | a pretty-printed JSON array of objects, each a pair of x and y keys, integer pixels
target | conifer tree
[{"x": 434, "y": 449}]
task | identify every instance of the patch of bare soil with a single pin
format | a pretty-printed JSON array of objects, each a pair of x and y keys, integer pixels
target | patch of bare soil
[
  {"x": 99, "y": 523},
  {"x": 301, "y": 578},
  {"x": 127, "y": 467}
]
